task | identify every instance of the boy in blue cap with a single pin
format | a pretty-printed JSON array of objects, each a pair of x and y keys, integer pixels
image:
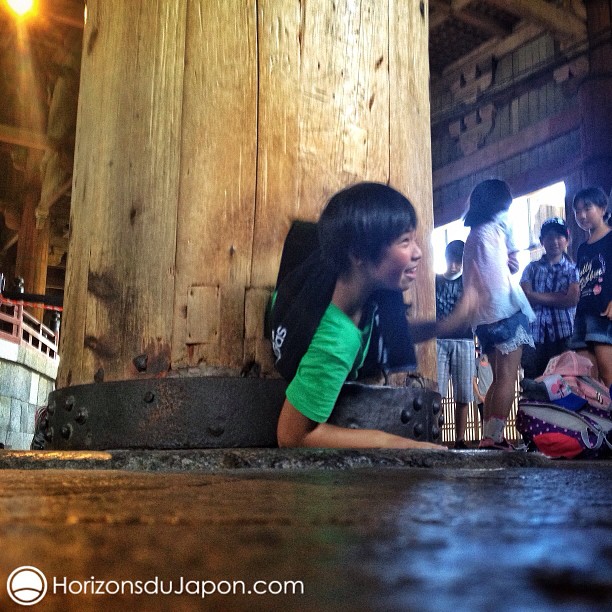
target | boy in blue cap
[{"x": 552, "y": 288}]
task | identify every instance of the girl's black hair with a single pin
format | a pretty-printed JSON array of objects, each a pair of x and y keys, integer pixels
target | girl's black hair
[
  {"x": 486, "y": 200},
  {"x": 362, "y": 220},
  {"x": 596, "y": 196},
  {"x": 454, "y": 250}
]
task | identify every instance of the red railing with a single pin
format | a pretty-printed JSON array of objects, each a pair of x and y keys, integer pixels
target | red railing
[{"x": 19, "y": 326}]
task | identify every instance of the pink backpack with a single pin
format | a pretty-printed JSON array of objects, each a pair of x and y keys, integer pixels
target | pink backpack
[
  {"x": 569, "y": 382},
  {"x": 566, "y": 412}
]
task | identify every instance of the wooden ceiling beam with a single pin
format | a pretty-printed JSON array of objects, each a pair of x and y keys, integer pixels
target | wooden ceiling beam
[
  {"x": 67, "y": 20},
  {"x": 562, "y": 23},
  {"x": 24, "y": 138},
  {"x": 458, "y": 5},
  {"x": 9, "y": 242},
  {"x": 578, "y": 7},
  {"x": 438, "y": 17},
  {"x": 62, "y": 190},
  {"x": 457, "y": 10},
  {"x": 486, "y": 24},
  {"x": 496, "y": 46}
]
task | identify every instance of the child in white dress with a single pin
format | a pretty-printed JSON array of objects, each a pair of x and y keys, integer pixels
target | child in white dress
[{"x": 502, "y": 318}]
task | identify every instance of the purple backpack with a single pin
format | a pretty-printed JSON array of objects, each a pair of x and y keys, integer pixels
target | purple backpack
[
  {"x": 559, "y": 432},
  {"x": 566, "y": 413}
]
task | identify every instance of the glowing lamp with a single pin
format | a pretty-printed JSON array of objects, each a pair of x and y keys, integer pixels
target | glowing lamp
[{"x": 21, "y": 7}]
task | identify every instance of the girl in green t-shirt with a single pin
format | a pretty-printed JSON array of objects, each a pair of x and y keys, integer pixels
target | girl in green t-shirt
[{"x": 367, "y": 238}]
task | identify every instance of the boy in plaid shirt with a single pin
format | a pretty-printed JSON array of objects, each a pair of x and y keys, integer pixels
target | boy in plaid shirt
[{"x": 552, "y": 288}]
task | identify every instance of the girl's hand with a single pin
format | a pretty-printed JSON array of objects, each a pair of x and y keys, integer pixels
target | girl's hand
[
  {"x": 608, "y": 312},
  {"x": 513, "y": 263}
]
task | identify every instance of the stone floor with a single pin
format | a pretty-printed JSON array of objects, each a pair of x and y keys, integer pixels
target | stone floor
[{"x": 373, "y": 530}]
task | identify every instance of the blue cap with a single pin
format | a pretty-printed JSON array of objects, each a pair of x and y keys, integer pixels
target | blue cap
[{"x": 554, "y": 223}]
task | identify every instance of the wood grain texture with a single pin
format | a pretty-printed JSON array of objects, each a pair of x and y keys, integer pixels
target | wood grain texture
[
  {"x": 217, "y": 176},
  {"x": 323, "y": 109},
  {"x": 120, "y": 277},
  {"x": 410, "y": 148}
]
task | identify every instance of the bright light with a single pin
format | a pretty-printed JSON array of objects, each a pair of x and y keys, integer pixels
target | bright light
[
  {"x": 441, "y": 236},
  {"x": 525, "y": 216},
  {"x": 21, "y": 7}
]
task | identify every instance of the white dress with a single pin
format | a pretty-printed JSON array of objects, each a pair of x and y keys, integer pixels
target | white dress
[{"x": 485, "y": 268}]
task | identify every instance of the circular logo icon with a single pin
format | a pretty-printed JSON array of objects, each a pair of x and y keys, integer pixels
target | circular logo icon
[{"x": 26, "y": 585}]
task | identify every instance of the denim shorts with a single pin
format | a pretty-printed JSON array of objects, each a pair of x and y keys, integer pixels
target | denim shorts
[
  {"x": 590, "y": 328},
  {"x": 505, "y": 335}
]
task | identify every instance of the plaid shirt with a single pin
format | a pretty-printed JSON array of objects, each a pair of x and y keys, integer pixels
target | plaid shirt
[
  {"x": 551, "y": 323},
  {"x": 448, "y": 293}
]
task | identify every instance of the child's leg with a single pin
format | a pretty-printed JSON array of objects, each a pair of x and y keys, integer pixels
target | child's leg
[
  {"x": 461, "y": 416},
  {"x": 500, "y": 396},
  {"x": 592, "y": 358},
  {"x": 603, "y": 358}
]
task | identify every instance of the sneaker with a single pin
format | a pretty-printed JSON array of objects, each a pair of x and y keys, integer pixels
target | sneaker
[
  {"x": 461, "y": 445},
  {"x": 490, "y": 444}
]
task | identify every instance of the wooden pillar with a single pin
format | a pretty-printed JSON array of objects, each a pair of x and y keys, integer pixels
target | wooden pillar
[
  {"x": 33, "y": 243},
  {"x": 595, "y": 97},
  {"x": 204, "y": 128}
]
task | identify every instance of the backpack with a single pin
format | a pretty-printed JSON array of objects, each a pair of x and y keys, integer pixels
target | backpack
[
  {"x": 566, "y": 413},
  {"x": 562, "y": 433}
]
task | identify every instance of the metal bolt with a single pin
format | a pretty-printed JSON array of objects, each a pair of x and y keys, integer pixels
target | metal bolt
[
  {"x": 66, "y": 431},
  {"x": 405, "y": 416},
  {"x": 417, "y": 403},
  {"x": 436, "y": 406},
  {"x": 418, "y": 429},
  {"x": 216, "y": 431},
  {"x": 69, "y": 403},
  {"x": 149, "y": 396},
  {"x": 140, "y": 362},
  {"x": 435, "y": 432},
  {"x": 51, "y": 408},
  {"x": 81, "y": 415},
  {"x": 49, "y": 434}
]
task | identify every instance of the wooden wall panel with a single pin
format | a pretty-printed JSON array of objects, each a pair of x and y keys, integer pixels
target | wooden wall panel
[
  {"x": 323, "y": 113},
  {"x": 205, "y": 127},
  {"x": 125, "y": 185},
  {"x": 217, "y": 180},
  {"x": 410, "y": 148}
]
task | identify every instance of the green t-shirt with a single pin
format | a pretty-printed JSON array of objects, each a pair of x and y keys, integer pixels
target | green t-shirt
[{"x": 337, "y": 351}]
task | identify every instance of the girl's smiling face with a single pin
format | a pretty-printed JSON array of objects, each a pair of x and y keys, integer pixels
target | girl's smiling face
[
  {"x": 589, "y": 216},
  {"x": 398, "y": 265}
]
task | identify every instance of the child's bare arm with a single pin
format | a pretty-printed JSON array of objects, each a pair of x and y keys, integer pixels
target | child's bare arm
[
  {"x": 296, "y": 430},
  {"x": 553, "y": 299},
  {"x": 513, "y": 262},
  {"x": 460, "y": 317},
  {"x": 477, "y": 392}
]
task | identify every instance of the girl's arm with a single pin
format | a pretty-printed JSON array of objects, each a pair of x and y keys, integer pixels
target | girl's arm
[
  {"x": 295, "y": 430},
  {"x": 608, "y": 311},
  {"x": 477, "y": 393},
  {"x": 460, "y": 317},
  {"x": 513, "y": 262}
]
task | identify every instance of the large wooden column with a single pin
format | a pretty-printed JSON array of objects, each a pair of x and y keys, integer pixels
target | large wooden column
[
  {"x": 204, "y": 128},
  {"x": 595, "y": 97}
]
